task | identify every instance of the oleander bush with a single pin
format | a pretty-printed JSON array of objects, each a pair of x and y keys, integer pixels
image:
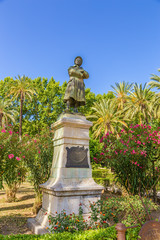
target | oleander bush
[
  {"x": 29, "y": 157},
  {"x": 12, "y": 166},
  {"x": 134, "y": 156}
]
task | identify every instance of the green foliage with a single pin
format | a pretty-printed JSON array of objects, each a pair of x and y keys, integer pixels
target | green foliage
[
  {"x": 102, "y": 176},
  {"x": 95, "y": 148},
  {"x": 106, "y": 117},
  {"x": 45, "y": 107},
  {"x": 121, "y": 91},
  {"x": 103, "y": 234},
  {"x": 155, "y": 82},
  {"x": 141, "y": 104},
  {"x": 98, "y": 234},
  {"x": 6, "y": 112},
  {"x": 21, "y": 89},
  {"x": 134, "y": 155}
]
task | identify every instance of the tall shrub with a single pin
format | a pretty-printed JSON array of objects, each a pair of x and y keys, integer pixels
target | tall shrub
[
  {"x": 38, "y": 154},
  {"x": 134, "y": 156},
  {"x": 12, "y": 167}
]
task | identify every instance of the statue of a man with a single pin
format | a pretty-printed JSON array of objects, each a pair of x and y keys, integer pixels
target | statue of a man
[{"x": 75, "y": 91}]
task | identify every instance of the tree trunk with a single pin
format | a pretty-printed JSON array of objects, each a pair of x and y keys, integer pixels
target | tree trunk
[
  {"x": 154, "y": 188},
  {"x": 21, "y": 116},
  {"x": 1, "y": 116},
  {"x": 11, "y": 192},
  {"x": 38, "y": 203}
]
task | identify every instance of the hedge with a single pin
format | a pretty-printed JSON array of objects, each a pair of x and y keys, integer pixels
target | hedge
[
  {"x": 103, "y": 234},
  {"x": 103, "y": 176}
]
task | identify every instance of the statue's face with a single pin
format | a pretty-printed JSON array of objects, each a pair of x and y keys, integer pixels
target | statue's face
[{"x": 78, "y": 61}]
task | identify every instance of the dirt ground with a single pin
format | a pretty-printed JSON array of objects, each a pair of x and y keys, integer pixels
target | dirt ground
[{"x": 13, "y": 216}]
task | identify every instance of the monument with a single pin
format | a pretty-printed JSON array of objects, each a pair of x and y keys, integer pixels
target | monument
[{"x": 70, "y": 184}]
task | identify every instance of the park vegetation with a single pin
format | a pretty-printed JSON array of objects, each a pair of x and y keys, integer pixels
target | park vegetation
[{"x": 125, "y": 135}]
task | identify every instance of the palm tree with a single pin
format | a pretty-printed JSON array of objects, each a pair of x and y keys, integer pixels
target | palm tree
[
  {"x": 6, "y": 112},
  {"x": 156, "y": 82},
  {"x": 121, "y": 92},
  {"x": 106, "y": 118},
  {"x": 22, "y": 88},
  {"x": 141, "y": 103}
]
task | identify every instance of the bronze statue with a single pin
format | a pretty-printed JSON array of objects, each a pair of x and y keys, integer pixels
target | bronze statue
[{"x": 75, "y": 91}]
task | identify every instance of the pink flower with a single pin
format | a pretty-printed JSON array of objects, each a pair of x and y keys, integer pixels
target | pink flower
[
  {"x": 39, "y": 151},
  {"x": 143, "y": 143},
  {"x": 10, "y": 132},
  {"x": 100, "y": 153},
  {"x": 18, "y": 173},
  {"x": 3, "y": 131},
  {"x": 133, "y": 151},
  {"x": 23, "y": 156},
  {"x": 35, "y": 141},
  {"x": 135, "y": 163},
  {"x": 11, "y": 156},
  {"x": 116, "y": 152},
  {"x": 122, "y": 130},
  {"x": 101, "y": 140},
  {"x": 18, "y": 159}
]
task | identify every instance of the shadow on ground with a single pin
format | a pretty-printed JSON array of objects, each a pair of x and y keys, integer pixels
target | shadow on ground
[
  {"x": 17, "y": 207},
  {"x": 26, "y": 197},
  {"x": 13, "y": 225}
]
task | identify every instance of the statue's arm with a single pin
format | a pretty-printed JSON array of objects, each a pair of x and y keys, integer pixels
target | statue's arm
[
  {"x": 72, "y": 71},
  {"x": 85, "y": 74}
]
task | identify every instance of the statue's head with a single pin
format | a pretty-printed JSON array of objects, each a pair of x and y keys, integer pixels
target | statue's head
[{"x": 78, "y": 61}]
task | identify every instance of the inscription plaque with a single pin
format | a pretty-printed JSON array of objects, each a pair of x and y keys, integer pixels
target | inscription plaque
[
  {"x": 77, "y": 157},
  {"x": 150, "y": 231}
]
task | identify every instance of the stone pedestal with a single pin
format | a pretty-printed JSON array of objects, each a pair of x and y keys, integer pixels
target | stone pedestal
[{"x": 70, "y": 183}]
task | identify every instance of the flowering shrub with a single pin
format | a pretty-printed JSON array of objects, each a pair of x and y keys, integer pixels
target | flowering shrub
[
  {"x": 12, "y": 168},
  {"x": 32, "y": 155},
  {"x": 103, "y": 214},
  {"x": 70, "y": 223},
  {"x": 118, "y": 209},
  {"x": 134, "y": 156},
  {"x": 37, "y": 154}
]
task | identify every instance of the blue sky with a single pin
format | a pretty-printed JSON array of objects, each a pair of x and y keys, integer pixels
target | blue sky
[{"x": 119, "y": 40}]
